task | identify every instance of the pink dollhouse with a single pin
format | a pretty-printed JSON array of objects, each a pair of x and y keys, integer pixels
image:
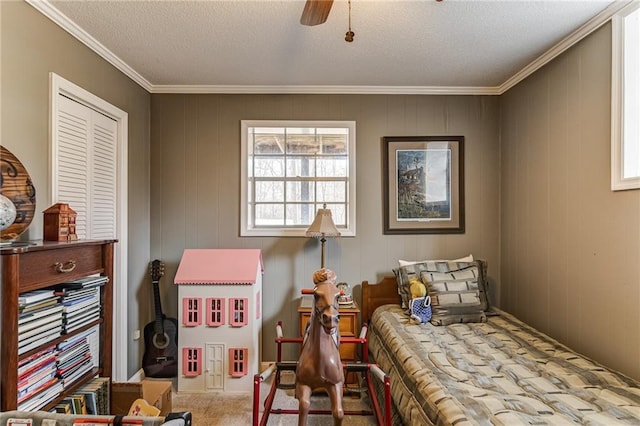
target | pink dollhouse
[{"x": 219, "y": 319}]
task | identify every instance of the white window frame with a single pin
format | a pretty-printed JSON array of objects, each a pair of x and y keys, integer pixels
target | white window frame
[
  {"x": 247, "y": 229},
  {"x": 625, "y": 101}
]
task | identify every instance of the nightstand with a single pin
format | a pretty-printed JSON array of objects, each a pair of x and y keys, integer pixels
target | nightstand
[{"x": 349, "y": 327}]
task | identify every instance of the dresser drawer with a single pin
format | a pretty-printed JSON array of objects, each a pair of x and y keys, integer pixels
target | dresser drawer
[{"x": 44, "y": 268}]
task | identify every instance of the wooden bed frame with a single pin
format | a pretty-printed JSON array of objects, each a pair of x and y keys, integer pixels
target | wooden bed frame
[{"x": 374, "y": 295}]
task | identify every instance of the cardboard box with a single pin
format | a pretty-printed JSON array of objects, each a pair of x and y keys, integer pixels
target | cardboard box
[{"x": 155, "y": 392}]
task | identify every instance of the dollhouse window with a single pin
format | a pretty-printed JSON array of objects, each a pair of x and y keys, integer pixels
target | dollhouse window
[
  {"x": 191, "y": 315},
  {"x": 215, "y": 312},
  {"x": 238, "y": 312},
  {"x": 238, "y": 359},
  {"x": 191, "y": 361}
]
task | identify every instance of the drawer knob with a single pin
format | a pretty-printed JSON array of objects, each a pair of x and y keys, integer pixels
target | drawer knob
[{"x": 66, "y": 267}]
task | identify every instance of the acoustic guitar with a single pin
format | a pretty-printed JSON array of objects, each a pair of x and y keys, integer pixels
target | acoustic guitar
[{"x": 160, "y": 357}]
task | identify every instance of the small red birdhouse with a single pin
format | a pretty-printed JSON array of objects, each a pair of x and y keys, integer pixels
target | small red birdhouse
[{"x": 60, "y": 223}]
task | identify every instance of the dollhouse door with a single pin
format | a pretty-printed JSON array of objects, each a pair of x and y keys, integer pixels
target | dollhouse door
[{"x": 214, "y": 361}]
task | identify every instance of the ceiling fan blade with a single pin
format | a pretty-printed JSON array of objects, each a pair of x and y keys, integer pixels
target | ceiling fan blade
[{"x": 315, "y": 12}]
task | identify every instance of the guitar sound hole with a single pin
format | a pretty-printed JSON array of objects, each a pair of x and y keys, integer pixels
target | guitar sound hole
[{"x": 161, "y": 341}]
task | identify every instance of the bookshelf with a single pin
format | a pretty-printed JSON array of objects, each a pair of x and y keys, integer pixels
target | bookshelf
[{"x": 27, "y": 267}]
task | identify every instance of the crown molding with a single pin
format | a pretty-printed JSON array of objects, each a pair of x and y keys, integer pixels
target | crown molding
[
  {"x": 325, "y": 90},
  {"x": 586, "y": 29},
  {"x": 50, "y": 11},
  {"x": 47, "y": 9}
]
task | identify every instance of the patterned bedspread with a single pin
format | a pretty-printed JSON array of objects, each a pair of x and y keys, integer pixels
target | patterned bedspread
[{"x": 501, "y": 372}]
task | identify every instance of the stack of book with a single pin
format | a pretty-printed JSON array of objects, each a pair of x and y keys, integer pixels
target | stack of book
[
  {"x": 74, "y": 359},
  {"x": 39, "y": 319},
  {"x": 80, "y": 300},
  {"x": 92, "y": 398},
  {"x": 37, "y": 380}
]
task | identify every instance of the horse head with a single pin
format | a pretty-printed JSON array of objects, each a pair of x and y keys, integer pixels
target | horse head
[{"x": 325, "y": 297}]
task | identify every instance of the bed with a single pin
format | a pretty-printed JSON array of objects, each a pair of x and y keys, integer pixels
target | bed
[{"x": 494, "y": 370}]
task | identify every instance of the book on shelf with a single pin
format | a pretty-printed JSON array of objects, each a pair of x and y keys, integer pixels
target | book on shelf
[
  {"x": 100, "y": 387},
  {"x": 36, "y": 360},
  {"x": 37, "y": 386},
  {"x": 24, "y": 336},
  {"x": 28, "y": 380},
  {"x": 39, "y": 322},
  {"x": 65, "y": 356},
  {"x": 38, "y": 390},
  {"x": 23, "y": 309},
  {"x": 79, "y": 404},
  {"x": 77, "y": 373},
  {"x": 32, "y": 297},
  {"x": 90, "y": 401},
  {"x": 26, "y": 317},
  {"x": 42, "y": 398},
  {"x": 81, "y": 283},
  {"x": 80, "y": 304},
  {"x": 64, "y": 406},
  {"x": 24, "y": 347},
  {"x": 68, "y": 294}
]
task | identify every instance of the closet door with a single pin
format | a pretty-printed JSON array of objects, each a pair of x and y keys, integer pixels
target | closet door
[{"x": 85, "y": 162}]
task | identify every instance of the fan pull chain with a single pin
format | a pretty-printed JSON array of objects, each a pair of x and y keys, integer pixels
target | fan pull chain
[{"x": 350, "y": 34}]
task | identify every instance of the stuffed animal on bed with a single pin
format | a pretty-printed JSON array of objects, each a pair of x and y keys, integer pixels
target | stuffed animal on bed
[{"x": 417, "y": 288}]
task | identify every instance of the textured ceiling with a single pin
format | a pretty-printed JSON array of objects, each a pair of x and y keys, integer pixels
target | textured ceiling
[{"x": 424, "y": 43}]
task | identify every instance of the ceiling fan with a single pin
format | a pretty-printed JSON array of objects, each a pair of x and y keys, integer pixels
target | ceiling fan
[{"x": 315, "y": 12}]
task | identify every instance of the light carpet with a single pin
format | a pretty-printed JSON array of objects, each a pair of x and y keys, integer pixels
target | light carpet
[{"x": 210, "y": 409}]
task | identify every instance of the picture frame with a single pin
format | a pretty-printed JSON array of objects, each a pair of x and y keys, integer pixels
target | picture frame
[{"x": 423, "y": 180}]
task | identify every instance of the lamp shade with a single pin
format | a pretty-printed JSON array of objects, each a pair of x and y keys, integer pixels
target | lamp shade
[{"x": 323, "y": 225}]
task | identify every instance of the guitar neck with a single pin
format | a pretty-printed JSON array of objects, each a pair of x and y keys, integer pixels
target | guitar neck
[{"x": 158, "y": 307}]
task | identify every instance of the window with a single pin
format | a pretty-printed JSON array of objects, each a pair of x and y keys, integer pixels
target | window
[
  {"x": 290, "y": 169},
  {"x": 215, "y": 312},
  {"x": 238, "y": 362},
  {"x": 191, "y": 361},
  {"x": 238, "y": 312},
  {"x": 625, "y": 99},
  {"x": 191, "y": 311}
]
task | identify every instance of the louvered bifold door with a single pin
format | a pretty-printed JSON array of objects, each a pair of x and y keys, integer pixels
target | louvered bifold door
[{"x": 85, "y": 162}]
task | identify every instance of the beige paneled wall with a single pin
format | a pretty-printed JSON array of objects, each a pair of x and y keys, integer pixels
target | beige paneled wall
[
  {"x": 195, "y": 187},
  {"x": 33, "y": 46},
  {"x": 570, "y": 246}
]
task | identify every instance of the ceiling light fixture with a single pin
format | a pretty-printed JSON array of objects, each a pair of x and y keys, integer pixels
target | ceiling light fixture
[{"x": 350, "y": 34}]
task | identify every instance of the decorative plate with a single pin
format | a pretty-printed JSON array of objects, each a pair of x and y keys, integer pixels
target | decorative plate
[{"x": 16, "y": 185}]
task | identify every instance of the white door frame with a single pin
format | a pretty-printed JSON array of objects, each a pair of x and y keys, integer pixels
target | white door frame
[{"x": 60, "y": 86}]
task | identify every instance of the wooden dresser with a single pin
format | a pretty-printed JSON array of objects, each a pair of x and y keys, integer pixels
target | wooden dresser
[{"x": 33, "y": 266}]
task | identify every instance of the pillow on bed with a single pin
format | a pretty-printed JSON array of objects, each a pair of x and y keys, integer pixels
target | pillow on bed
[
  {"x": 457, "y": 291},
  {"x": 407, "y": 271}
]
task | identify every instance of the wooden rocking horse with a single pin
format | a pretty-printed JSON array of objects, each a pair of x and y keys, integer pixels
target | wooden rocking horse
[{"x": 319, "y": 365}]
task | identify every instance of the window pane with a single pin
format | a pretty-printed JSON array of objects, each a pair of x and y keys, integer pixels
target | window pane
[
  {"x": 301, "y": 166},
  {"x": 333, "y": 141},
  {"x": 269, "y": 166},
  {"x": 300, "y": 214},
  {"x": 328, "y": 192},
  {"x": 337, "y": 214},
  {"x": 269, "y": 140},
  {"x": 300, "y": 191},
  {"x": 270, "y": 214},
  {"x": 269, "y": 191},
  {"x": 333, "y": 166},
  {"x": 301, "y": 141}
]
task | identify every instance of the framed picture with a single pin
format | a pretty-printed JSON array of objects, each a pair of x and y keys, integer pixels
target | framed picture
[{"x": 423, "y": 184}]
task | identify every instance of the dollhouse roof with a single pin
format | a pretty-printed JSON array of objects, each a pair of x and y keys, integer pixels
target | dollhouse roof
[{"x": 219, "y": 266}]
